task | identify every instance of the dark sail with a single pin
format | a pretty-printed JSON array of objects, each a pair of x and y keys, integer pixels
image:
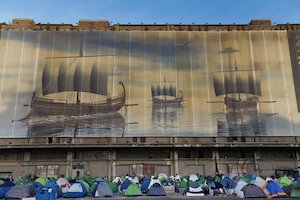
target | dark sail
[
  {"x": 91, "y": 80},
  {"x": 164, "y": 90},
  {"x": 236, "y": 82},
  {"x": 98, "y": 84},
  {"x": 49, "y": 83}
]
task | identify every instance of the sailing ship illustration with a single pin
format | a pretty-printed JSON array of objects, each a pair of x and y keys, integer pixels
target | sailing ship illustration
[
  {"x": 79, "y": 79},
  {"x": 165, "y": 93},
  {"x": 241, "y": 90}
]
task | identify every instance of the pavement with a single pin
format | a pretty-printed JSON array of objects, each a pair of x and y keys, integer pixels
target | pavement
[{"x": 175, "y": 196}]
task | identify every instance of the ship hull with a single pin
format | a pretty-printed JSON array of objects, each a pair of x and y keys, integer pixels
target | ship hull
[
  {"x": 167, "y": 101},
  {"x": 45, "y": 107}
]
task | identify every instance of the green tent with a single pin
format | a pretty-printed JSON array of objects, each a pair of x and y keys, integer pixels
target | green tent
[
  {"x": 183, "y": 183},
  {"x": 162, "y": 177},
  {"x": 284, "y": 181},
  {"x": 20, "y": 180},
  {"x": 86, "y": 185},
  {"x": 133, "y": 190},
  {"x": 89, "y": 180},
  {"x": 42, "y": 180},
  {"x": 295, "y": 192},
  {"x": 218, "y": 179},
  {"x": 113, "y": 186},
  {"x": 1, "y": 182},
  {"x": 93, "y": 186},
  {"x": 201, "y": 179}
]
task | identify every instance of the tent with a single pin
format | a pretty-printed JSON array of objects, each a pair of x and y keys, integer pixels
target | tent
[
  {"x": 18, "y": 192},
  {"x": 125, "y": 185},
  {"x": 295, "y": 192},
  {"x": 238, "y": 189},
  {"x": 55, "y": 188},
  {"x": 20, "y": 180},
  {"x": 284, "y": 181},
  {"x": 133, "y": 190},
  {"x": 226, "y": 181},
  {"x": 145, "y": 184},
  {"x": 183, "y": 182},
  {"x": 153, "y": 180},
  {"x": 113, "y": 186},
  {"x": 253, "y": 191},
  {"x": 103, "y": 190},
  {"x": 194, "y": 189},
  {"x": 77, "y": 190},
  {"x": 63, "y": 184},
  {"x": 273, "y": 190},
  {"x": 193, "y": 178},
  {"x": 156, "y": 190},
  {"x": 42, "y": 180},
  {"x": 5, "y": 187}
]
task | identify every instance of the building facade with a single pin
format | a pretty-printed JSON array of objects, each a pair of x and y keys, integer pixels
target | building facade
[{"x": 106, "y": 100}]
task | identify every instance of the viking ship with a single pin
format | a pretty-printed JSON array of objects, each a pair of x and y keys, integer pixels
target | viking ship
[
  {"x": 240, "y": 89},
  {"x": 92, "y": 81},
  {"x": 165, "y": 93}
]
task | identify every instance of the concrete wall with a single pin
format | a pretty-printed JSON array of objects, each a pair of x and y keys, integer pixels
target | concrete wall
[{"x": 101, "y": 162}]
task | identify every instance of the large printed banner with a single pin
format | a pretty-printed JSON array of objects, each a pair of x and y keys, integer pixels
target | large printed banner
[{"x": 146, "y": 83}]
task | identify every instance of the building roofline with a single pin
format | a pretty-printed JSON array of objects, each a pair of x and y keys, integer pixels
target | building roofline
[{"x": 104, "y": 25}]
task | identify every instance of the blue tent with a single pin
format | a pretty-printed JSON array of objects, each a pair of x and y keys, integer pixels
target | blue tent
[
  {"x": 156, "y": 190},
  {"x": 5, "y": 187},
  {"x": 18, "y": 192},
  {"x": 103, "y": 189},
  {"x": 77, "y": 190},
  {"x": 55, "y": 188},
  {"x": 145, "y": 184},
  {"x": 275, "y": 190},
  {"x": 125, "y": 185},
  {"x": 226, "y": 181}
]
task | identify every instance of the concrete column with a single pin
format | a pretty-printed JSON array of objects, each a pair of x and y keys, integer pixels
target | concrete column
[
  {"x": 216, "y": 157},
  {"x": 112, "y": 164},
  {"x": 174, "y": 162},
  {"x": 27, "y": 156},
  {"x": 256, "y": 162},
  {"x": 69, "y": 167}
]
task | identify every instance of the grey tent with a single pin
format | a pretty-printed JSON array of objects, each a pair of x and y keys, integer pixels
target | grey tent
[
  {"x": 18, "y": 192},
  {"x": 156, "y": 190},
  {"x": 103, "y": 190},
  {"x": 253, "y": 191}
]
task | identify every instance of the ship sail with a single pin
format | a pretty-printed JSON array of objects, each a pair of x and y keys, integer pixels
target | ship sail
[
  {"x": 94, "y": 80},
  {"x": 163, "y": 90},
  {"x": 230, "y": 82}
]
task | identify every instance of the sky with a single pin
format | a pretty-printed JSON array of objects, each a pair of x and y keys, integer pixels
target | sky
[{"x": 152, "y": 11}]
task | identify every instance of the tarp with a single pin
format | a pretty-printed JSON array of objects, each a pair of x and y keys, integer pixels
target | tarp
[
  {"x": 18, "y": 192},
  {"x": 253, "y": 191},
  {"x": 63, "y": 184},
  {"x": 156, "y": 190},
  {"x": 133, "y": 190},
  {"x": 77, "y": 190},
  {"x": 103, "y": 190}
]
